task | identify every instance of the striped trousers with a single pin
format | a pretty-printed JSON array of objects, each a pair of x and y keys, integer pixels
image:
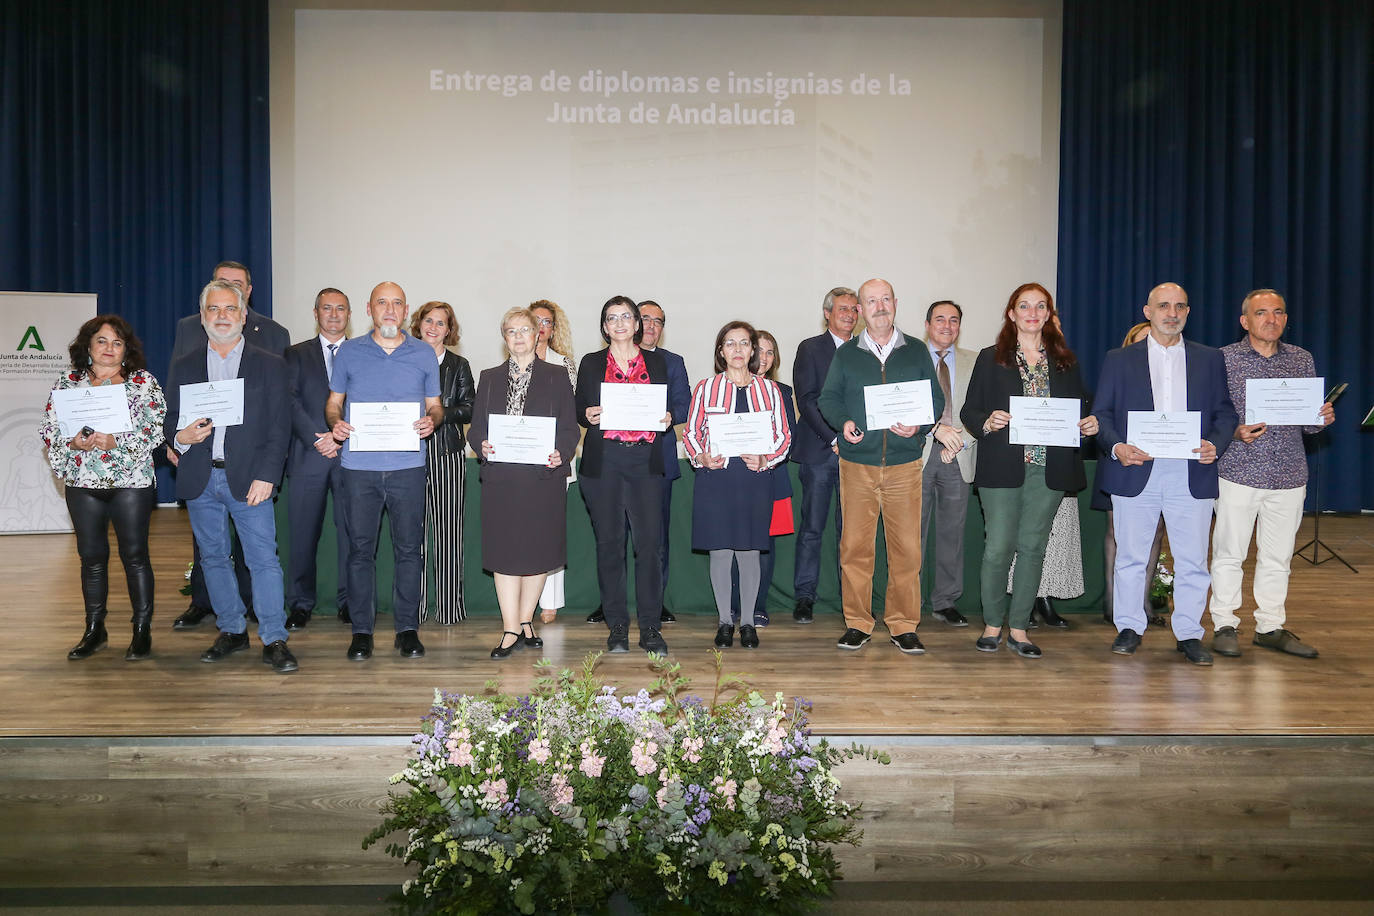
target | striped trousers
[{"x": 441, "y": 587}]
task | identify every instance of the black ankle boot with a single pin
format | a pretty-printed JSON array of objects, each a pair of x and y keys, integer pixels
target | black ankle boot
[
  {"x": 141, "y": 646},
  {"x": 93, "y": 639},
  {"x": 1045, "y": 609}
]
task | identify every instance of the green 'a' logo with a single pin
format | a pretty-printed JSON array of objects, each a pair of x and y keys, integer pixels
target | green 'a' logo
[{"x": 31, "y": 341}]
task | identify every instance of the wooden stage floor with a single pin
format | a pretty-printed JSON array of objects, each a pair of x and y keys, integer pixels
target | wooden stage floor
[{"x": 1078, "y": 688}]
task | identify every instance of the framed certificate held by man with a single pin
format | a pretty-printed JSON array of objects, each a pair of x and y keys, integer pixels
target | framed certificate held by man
[
  {"x": 1284, "y": 401},
  {"x": 220, "y": 402}
]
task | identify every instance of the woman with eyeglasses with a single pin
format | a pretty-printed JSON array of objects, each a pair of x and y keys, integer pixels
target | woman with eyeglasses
[
  {"x": 445, "y": 468},
  {"x": 620, "y": 476},
  {"x": 109, "y": 476},
  {"x": 524, "y": 506},
  {"x": 554, "y": 346}
]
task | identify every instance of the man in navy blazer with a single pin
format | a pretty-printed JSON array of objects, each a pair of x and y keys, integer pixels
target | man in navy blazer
[
  {"x": 653, "y": 320},
  {"x": 313, "y": 462},
  {"x": 1162, "y": 373},
  {"x": 232, "y": 471},
  {"x": 813, "y": 444},
  {"x": 260, "y": 331}
]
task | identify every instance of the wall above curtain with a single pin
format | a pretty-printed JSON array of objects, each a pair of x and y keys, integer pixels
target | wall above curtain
[
  {"x": 135, "y": 153},
  {"x": 1226, "y": 146}
]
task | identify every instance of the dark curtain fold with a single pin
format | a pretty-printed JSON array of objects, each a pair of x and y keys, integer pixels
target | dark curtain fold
[
  {"x": 134, "y": 153},
  {"x": 1226, "y": 146}
]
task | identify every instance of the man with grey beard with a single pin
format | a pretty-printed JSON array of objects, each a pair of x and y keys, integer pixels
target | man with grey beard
[{"x": 385, "y": 368}]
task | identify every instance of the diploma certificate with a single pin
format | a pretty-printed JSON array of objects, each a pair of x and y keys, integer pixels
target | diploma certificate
[
  {"x": 220, "y": 402},
  {"x": 735, "y": 434},
  {"x": 1045, "y": 421},
  {"x": 633, "y": 408},
  {"x": 1284, "y": 401},
  {"x": 521, "y": 440},
  {"x": 1165, "y": 433},
  {"x": 104, "y": 409},
  {"x": 383, "y": 426},
  {"x": 907, "y": 403}
]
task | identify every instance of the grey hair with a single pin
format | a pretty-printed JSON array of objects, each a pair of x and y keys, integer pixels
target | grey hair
[
  {"x": 828, "y": 303},
  {"x": 1245, "y": 303},
  {"x": 221, "y": 285}
]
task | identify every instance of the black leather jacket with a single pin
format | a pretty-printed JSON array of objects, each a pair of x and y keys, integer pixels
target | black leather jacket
[{"x": 456, "y": 393}]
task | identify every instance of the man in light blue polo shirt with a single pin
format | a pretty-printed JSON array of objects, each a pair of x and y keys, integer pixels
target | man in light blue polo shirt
[{"x": 387, "y": 368}]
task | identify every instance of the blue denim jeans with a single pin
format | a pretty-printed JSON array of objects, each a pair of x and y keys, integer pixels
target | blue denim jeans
[
  {"x": 402, "y": 495},
  {"x": 819, "y": 483},
  {"x": 257, "y": 527}
]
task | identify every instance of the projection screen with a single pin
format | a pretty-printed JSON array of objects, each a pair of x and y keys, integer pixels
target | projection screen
[{"x": 726, "y": 166}]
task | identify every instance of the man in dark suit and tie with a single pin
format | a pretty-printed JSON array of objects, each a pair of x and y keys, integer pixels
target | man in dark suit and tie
[
  {"x": 232, "y": 471},
  {"x": 1162, "y": 373},
  {"x": 313, "y": 462},
  {"x": 813, "y": 444},
  {"x": 263, "y": 333}
]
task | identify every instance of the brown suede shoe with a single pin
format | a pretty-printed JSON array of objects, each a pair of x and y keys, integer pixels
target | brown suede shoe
[
  {"x": 1226, "y": 642},
  {"x": 1285, "y": 641}
]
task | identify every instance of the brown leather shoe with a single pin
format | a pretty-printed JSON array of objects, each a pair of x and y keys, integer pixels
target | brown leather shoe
[
  {"x": 1226, "y": 642},
  {"x": 1285, "y": 641}
]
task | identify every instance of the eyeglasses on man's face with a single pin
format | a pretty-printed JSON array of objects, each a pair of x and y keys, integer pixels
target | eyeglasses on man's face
[{"x": 229, "y": 311}]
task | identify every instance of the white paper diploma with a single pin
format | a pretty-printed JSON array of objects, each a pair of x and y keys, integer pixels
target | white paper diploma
[
  {"x": 104, "y": 409},
  {"x": 1045, "y": 421},
  {"x": 221, "y": 402},
  {"x": 1165, "y": 433},
  {"x": 633, "y": 408},
  {"x": 521, "y": 440},
  {"x": 383, "y": 426},
  {"x": 1284, "y": 401},
  {"x": 735, "y": 434},
  {"x": 907, "y": 403}
]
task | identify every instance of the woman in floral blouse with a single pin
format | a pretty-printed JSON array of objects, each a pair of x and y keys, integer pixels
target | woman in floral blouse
[
  {"x": 109, "y": 476},
  {"x": 1020, "y": 486}
]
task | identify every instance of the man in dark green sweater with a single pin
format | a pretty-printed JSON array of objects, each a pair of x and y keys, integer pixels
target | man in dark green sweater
[{"x": 880, "y": 468}]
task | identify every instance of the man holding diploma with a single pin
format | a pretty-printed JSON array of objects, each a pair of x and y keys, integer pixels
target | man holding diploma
[
  {"x": 383, "y": 372},
  {"x": 1167, "y": 374},
  {"x": 1264, "y": 479},
  {"x": 880, "y": 470}
]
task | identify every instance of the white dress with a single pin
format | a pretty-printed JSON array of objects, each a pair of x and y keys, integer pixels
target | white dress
[{"x": 553, "y": 596}]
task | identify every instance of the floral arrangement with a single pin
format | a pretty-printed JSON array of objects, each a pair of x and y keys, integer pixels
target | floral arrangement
[
  {"x": 1162, "y": 585},
  {"x": 557, "y": 800}
]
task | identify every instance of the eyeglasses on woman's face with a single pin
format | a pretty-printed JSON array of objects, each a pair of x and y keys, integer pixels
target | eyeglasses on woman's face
[
  {"x": 621, "y": 318},
  {"x": 522, "y": 331}
]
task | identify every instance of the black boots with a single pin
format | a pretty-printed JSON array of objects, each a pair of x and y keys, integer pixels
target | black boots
[
  {"x": 1047, "y": 613},
  {"x": 93, "y": 639},
  {"x": 141, "y": 646}
]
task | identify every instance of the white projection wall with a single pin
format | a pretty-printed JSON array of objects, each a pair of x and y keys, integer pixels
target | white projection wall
[{"x": 725, "y": 166}]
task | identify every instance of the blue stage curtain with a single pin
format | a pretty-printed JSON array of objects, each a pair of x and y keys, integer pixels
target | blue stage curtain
[
  {"x": 1226, "y": 145},
  {"x": 134, "y": 154}
]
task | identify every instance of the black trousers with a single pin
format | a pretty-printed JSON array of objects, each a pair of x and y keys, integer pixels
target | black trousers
[
  {"x": 92, "y": 511},
  {"x": 627, "y": 493}
]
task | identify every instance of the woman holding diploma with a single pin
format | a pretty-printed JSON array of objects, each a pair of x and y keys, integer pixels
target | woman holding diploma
[
  {"x": 524, "y": 504},
  {"x": 1021, "y": 484},
  {"x": 732, "y": 505},
  {"x": 445, "y": 461},
  {"x": 554, "y": 346},
  {"x": 621, "y": 470},
  {"x": 109, "y": 475}
]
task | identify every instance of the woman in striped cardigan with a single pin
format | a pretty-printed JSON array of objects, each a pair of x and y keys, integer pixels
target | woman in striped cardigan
[{"x": 732, "y": 502}]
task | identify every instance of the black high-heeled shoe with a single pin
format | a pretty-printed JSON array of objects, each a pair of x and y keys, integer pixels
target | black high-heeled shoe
[
  {"x": 532, "y": 640},
  {"x": 503, "y": 650},
  {"x": 1045, "y": 608}
]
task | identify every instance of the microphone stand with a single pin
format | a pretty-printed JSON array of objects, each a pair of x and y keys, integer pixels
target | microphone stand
[{"x": 1317, "y": 543}]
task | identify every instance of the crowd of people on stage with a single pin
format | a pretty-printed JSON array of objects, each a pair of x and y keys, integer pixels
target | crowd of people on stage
[{"x": 317, "y": 411}]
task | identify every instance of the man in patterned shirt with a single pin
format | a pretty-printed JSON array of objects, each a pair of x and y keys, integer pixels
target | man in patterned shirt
[{"x": 1264, "y": 477}]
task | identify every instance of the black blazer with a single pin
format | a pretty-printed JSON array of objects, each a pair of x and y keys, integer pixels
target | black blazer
[
  {"x": 590, "y": 374},
  {"x": 812, "y": 436},
  {"x": 456, "y": 393},
  {"x": 549, "y": 395},
  {"x": 309, "y": 380},
  {"x": 253, "y": 450},
  {"x": 1001, "y": 464}
]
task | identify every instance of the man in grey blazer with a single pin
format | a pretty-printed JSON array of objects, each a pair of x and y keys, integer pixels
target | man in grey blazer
[{"x": 945, "y": 484}]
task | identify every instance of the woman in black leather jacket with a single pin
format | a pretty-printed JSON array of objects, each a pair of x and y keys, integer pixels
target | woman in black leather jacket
[{"x": 445, "y": 465}]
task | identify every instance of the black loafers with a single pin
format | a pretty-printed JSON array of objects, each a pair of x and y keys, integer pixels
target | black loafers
[
  {"x": 192, "y": 617},
  {"x": 725, "y": 636},
  {"x": 360, "y": 649},
  {"x": 225, "y": 644},
  {"x": 748, "y": 637},
  {"x": 408, "y": 643},
  {"x": 988, "y": 643},
  {"x": 279, "y": 657},
  {"x": 1193, "y": 651},
  {"x": 950, "y": 616},
  {"x": 1126, "y": 642},
  {"x": 297, "y": 619}
]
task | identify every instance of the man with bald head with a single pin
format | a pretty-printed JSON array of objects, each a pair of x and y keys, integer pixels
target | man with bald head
[
  {"x": 1264, "y": 481},
  {"x": 387, "y": 367},
  {"x": 1166, "y": 373},
  {"x": 880, "y": 470}
]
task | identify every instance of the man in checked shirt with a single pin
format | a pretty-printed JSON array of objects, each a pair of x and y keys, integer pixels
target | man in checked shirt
[{"x": 1264, "y": 477}]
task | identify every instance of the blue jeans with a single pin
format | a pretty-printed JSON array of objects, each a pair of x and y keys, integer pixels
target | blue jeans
[
  {"x": 402, "y": 495},
  {"x": 257, "y": 527},
  {"x": 819, "y": 482}
]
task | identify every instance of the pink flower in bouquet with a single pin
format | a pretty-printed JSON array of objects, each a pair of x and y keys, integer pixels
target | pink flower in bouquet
[
  {"x": 460, "y": 749},
  {"x": 691, "y": 749},
  {"x": 493, "y": 790},
  {"x": 642, "y": 757},
  {"x": 591, "y": 764},
  {"x": 539, "y": 750},
  {"x": 562, "y": 790},
  {"x": 727, "y": 788}
]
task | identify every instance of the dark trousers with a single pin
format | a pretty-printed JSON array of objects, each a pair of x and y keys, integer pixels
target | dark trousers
[
  {"x": 306, "y": 499},
  {"x": 92, "y": 511},
  {"x": 402, "y": 495},
  {"x": 627, "y": 493},
  {"x": 819, "y": 483},
  {"x": 667, "y": 523},
  {"x": 945, "y": 495}
]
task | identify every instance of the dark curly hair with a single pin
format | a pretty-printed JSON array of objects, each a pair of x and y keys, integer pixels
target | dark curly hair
[
  {"x": 753, "y": 342},
  {"x": 80, "y": 348}
]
